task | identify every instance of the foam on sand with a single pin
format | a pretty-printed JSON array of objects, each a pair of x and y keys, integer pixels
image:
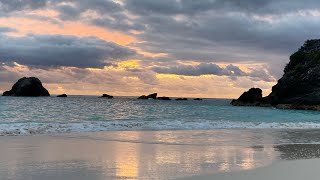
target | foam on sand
[{"x": 28, "y": 128}]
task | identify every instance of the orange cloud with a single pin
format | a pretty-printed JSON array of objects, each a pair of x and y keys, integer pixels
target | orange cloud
[{"x": 25, "y": 25}]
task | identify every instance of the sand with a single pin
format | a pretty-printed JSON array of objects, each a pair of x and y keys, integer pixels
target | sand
[
  {"x": 149, "y": 155},
  {"x": 291, "y": 170}
]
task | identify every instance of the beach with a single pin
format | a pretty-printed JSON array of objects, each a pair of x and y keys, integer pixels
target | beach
[
  {"x": 293, "y": 170},
  {"x": 157, "y": 155}
]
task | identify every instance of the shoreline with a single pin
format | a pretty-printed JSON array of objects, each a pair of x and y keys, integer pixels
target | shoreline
[
  {"x": 293, "y": 170},
  {"x": 147, "y": 154}
]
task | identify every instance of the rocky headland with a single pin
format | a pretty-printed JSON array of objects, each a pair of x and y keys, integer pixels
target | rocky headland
[
  {"x": 299, "y": 87},
  {"x": 27, "y": 86}
]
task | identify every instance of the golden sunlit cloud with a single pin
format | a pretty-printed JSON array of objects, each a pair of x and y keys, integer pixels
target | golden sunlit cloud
[{"x": 26, "y": 25}]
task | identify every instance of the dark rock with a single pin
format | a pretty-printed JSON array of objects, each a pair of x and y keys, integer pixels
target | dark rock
[
  {"x": 197, "y": 99},
  {"x": 107, "y": 96},
  {"x": 182, "y": 99},
  {"x": 30, "y": 86},
  {"x": 163, "y": 98},
  {"x": 150, "y": 96},
  {"x": 253, "y": 97},
  {"x": 300, "y": 84},
  {"x": 62, "y": 95},
  {"x": 299, "y": 87}
]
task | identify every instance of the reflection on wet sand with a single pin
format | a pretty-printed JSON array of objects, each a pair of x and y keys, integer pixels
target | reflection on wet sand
[
  {"x": 108, "y": 156},
  {"x": 298, "y": 151}
]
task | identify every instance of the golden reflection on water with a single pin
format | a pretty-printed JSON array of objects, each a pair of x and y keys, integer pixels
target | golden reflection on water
[
  {"x": 126, "y": 159},
  {"x": 121, "y": 155}
]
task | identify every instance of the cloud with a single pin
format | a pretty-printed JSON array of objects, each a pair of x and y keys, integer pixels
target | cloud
[
  {"x": 191, "y": 7},
  {"x": 208, "y": 32},
  {"x": 61, "y": 50},
  {"x": 213, "y": 69},
  {"x": 7, "y": 6},
  {"x": 6, "y": 29},
  {"x": 7, "y": 76}
]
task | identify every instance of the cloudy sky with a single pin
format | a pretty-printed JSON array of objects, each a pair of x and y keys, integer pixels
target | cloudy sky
[{"x": 191, "y": 48}]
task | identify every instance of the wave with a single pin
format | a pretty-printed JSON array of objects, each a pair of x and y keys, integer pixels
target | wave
[{"x": 30, "y": 128}]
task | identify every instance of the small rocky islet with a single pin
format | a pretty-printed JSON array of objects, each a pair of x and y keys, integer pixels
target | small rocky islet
[
  {"x": 63, "y": 95},
  {"x": 27, "y": 86},
  {"x": 299, "y": 87},
  {"x": 107, "y": 96}
]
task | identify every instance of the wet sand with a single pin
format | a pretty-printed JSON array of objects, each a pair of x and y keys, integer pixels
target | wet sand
[
  {"x": 149, "y": 155},
  {"x": 285, "y": 170}
]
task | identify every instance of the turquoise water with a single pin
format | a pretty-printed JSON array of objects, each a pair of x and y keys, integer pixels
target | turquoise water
[{"x": 23, "y": 115}]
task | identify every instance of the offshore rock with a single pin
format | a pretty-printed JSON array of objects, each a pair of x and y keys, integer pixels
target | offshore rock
[
  {"x": 107, "y": 96},
  {"x": 182, "y": 99},
  {"x": 150, "y": 96},
  {"x": 197, "y": 99},
  {"x": 27, "y": 86},
  {"x": 253, "y": 97},
  {"x": 163, "y": 98},
  {"x": 63, "y": 95}
]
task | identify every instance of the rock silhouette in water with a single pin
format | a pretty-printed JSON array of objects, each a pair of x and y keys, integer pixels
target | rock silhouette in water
[
  {"x": 150, "y": 96},
  {"x": 182, "y": 99},
  {"x": 63, "y": 95},
  {"x": 27, "y": 86},
  {"x": 163, "y": 98},
  {"x": 253, "y": 97},
  {"x": 299, "y": 87},
  {"x": 107, "y": 96},
  {"x": 197, "y": 99}
]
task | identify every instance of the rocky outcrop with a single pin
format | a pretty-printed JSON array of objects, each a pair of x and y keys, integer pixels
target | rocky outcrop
[
  {"x": 299, "y": 87},
  {"x": 63, "y": 95},
  {"x": 150, "y": 96},
  {"x": 27, "y": 86},
  {"x": 253, "y": 97},
  {"x": 182, "y": 99},
  {"x": 163, "y": 98},
  {"x": 107, "y": 96},
  {"x": 197, "y": 99}
]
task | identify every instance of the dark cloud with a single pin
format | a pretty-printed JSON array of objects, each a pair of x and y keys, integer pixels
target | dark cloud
[
  {"x": 192, "y": 7},
  {"x": 6, "y": 29},
  {"x": 72, "y": 9},
  {"x": 59, "y": 50},
  {"x": 213, "y": 69},
  {"x": 7, "y": 6},
  {"x": 251, "y": 31}
]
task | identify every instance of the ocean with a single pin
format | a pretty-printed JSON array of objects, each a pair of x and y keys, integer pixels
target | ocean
[
  {"x": 86, "y": 137},
  {"x": 52, "y": 115}
]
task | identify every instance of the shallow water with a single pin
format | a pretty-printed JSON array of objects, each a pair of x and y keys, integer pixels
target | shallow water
[{"x": 43, "y": 115}]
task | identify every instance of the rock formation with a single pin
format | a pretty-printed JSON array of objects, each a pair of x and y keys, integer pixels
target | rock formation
[
  {"x": 163, "y": 98},
  {"x": 299, "y": 88},
  {"x": 30, "y": 86},
  {"x": 62, "y": 95},
  {"x": 182, "y": 99},
  {"x": 197, "y": 99},
  {"x": 150, "y": 96},
  {"x": 107, "y": 96},
  {"x": 253, "y": 97}
]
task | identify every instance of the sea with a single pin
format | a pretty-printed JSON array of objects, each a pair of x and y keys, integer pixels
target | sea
[
  {"x": 88, "y": 137},
  {"x": 53, "y": 115}
]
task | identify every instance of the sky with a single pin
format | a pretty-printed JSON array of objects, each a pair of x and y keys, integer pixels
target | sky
[{"x": 181, "y": 48}]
